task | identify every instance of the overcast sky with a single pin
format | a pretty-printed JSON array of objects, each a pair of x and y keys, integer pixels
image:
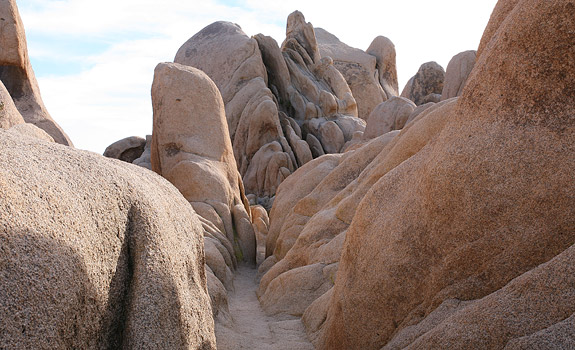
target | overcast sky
[{"x": 94, "y": 60}]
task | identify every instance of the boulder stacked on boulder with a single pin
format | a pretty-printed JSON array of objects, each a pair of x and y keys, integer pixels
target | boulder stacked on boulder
[
  {"x": 371, "y": 76},
  {"x": 284, "y": 106},
  {"x": 17, "y": 76},
  {"x": 426, "y": 85}
]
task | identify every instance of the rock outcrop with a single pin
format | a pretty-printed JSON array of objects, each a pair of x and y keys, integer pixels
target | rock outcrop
[
  {"x": 309, "y": 222},
  {"x": 128, "y": 149},
  {"x": 384, "y": 51},
  {"x": 234, "y": 62},
  {"x": 17, "y": 75},
  {"x": 468, "y": 242},
  {"x": 426, "y": 85},
  {"x": 456, "y": 74},
  {"x": 191, "y": 148},
  {"x": 357, "y": 67},
  {"x": 388, "y": 116},
  {"x": 279, "y": 102},
  {"x": 9, "y": 115},
  {"x": 96, "y": 254}
]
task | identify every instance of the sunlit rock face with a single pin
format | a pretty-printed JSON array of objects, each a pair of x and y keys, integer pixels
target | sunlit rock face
[
  {"x": 284, "y": 105},
  {"x": 17, "y": 76}
]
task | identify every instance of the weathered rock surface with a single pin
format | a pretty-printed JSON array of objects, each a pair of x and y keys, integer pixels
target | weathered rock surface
[
  {"x": 96, "y": 254},
  {"x": 384, "y": 51},
  {"x": 30, "y": 130},
  {"x": 389, "y": 115},
  {"x": 426, "y": 85},
  {"x": 145, "y": 159},
  {"x": 191, "y": 148},
  {"x": 17, "y": 75},
  {"x": 9, "y": 115},
  {"x": 127, "y": 149},
  {"x": 358, "y": 69},
  {"x": 307, "y": 228},
  {"x": 234, "y": 62},
  {"x": 482, "y": 214},
  {"x": 456, "y": 74},
  {"x": 275, "y": 98}
]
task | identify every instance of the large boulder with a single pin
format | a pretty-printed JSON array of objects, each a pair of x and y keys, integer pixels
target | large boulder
[
  {"x": 426, "y": 85},
  {"x": 96, "y": 254},
  {"x": 468, "y": 243},
  {"x": 456, "y": 74},
  {"x": 384, "y": 51},
  {"x": 387, "y": 116},
  {"x": 191, "y": 148},
  {"x": 358, "y": 69},
  {"x": 17, "y": 75}
]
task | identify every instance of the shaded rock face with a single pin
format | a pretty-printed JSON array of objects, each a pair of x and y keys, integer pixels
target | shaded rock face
[
  {"x": 145, "y": 159},
  {"x": 17, "y": 75},
  {"x": 425, "y": 86},
  {"x": 127, "y": 149},
  {"x": 468, "y": 242},
  {"x": 456, "y": 74},
  {"x": 9, "y": 115},
  {"x": 274, "y": 98},
  {"x": 96, "y": 254},
  {"x": 187, "y": 108}
]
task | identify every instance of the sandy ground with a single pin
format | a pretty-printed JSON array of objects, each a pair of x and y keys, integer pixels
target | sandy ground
[{"x": 251, "y": 328}]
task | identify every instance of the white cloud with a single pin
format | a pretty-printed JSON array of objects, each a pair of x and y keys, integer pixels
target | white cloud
[{"x": 111, "y": 98}]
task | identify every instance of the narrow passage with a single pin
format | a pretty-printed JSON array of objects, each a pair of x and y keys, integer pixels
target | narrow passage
[{"x": 252, "y": 329}]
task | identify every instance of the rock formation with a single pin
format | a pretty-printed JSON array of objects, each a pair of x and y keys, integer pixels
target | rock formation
[
  {"x": 96, "y": 254},
  {"x": 9, "y": 115},
  {"x": 444, "y": 222},
  {"x": 456, "y": 74},
  {"x": 384, "y": 51},
  {"x": 283, "y": 106},
  {"x": 234, "y": 62},
  {"x": 357, "y": 67},
  {"x": 145, "y": 159},
  {"x": 388, "y": 116},
  {"x": 128, "y": 149},
  {"x": 17, "y": 75},
  {"x": 191, "y": 148},
  {"x": 468, "y": 243},
  {"x": 426, "y": 85}
]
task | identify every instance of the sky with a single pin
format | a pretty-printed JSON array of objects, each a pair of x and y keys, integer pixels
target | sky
[{"x": 94, "y": 60}]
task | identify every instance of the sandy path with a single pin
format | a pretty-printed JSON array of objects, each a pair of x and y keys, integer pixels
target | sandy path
[{"x": 252, "y": 329}]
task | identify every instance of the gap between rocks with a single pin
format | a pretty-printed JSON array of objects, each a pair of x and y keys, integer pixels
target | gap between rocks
[{"x": 251, "y": 328}]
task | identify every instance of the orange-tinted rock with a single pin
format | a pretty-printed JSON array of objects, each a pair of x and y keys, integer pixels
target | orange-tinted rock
[{"x": 475, "y": 214}]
